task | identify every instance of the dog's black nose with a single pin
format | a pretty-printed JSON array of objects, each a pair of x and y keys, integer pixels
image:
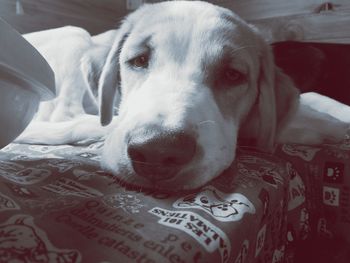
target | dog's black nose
[{"x": 160, "y": 156}]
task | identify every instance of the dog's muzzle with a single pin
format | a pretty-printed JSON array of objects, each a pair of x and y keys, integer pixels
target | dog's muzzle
[{"x": 157, "y": 154}]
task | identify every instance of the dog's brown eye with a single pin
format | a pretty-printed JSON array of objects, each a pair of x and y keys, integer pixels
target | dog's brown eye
[
  {"x": 233, "y": 76},
  {"x": 140, "y": 61}
]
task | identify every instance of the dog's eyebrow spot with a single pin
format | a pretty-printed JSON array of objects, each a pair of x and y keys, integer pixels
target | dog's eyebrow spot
[
  {"x": 234, "y": 57},
  {"x": 226, "y": 59},
  {"x": 139, "y": 47}
]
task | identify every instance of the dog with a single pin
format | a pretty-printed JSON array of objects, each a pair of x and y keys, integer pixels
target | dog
[{"x": 176, "y": 87}]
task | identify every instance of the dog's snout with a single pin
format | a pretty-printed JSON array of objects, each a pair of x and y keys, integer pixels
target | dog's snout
[{"x": 161, "y": 155}]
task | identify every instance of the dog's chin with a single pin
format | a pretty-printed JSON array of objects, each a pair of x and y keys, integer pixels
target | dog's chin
[
  {"x": 170, "y": 186},
  {"x": 186, "y": 180}
]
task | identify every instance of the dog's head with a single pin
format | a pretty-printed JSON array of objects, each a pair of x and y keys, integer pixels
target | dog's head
[{"x": 191, "y": 77}]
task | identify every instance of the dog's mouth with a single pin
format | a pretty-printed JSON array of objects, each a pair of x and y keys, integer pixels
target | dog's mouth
[
  {"x": 183, "y": 181},
  {"x": 156, "y": 172},
  {"x": 167, "y": 177}
]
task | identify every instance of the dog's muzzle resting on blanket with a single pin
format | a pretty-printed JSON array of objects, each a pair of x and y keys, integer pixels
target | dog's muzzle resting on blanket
[{"x": 186, "y": 79}]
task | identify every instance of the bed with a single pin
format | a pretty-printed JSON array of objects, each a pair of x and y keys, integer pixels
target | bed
[{"x": 58, "y": 206}]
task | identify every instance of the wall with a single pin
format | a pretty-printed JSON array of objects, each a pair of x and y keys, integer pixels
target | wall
[
  {"x": 296, "y": 19},
  {"x": 94, "y": 15},
  {"x": 279, "y": 19}
]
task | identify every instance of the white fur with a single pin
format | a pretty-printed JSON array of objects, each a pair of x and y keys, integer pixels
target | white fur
[
  {"x": 176, "y": 91},
  {"x": 325, "y": 104}
]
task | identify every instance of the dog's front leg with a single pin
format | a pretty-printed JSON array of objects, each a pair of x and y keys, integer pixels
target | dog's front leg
[
  {"x": 311, "y": 126},
  {"x": 325, "y": 104},
  {"x": 85, "y": 128}
]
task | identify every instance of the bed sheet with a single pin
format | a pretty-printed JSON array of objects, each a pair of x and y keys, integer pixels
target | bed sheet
[{"x": 57, "y": 205}]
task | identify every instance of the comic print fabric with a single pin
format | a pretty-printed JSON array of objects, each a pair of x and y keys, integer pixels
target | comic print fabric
[{"x": 58, "y": 206}]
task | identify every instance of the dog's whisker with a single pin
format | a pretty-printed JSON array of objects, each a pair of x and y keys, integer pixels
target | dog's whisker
[
  {"x": 206, "y": 122},
  {"x": 243, "y": 47}
]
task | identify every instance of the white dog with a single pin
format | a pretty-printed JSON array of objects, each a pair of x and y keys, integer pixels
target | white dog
[{"x": 186, "y": 79}]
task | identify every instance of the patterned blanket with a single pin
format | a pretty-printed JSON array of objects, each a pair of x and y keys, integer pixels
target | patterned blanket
[{"x": 57, "y": 205}]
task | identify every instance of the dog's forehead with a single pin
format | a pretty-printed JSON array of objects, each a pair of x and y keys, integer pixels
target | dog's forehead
[{"x": 185, "y": 21}]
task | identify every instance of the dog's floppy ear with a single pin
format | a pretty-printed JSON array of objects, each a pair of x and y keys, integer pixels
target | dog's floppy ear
[
  {"x": 110, "y": 78},
  {"x": 91, "y": 65},
  {"x": 277, "y": 99}
]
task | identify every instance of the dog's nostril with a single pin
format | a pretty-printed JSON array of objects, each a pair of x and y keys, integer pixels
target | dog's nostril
[
  {"x": 170, "y": 161},
  {"x": 161, "y": 156}
]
